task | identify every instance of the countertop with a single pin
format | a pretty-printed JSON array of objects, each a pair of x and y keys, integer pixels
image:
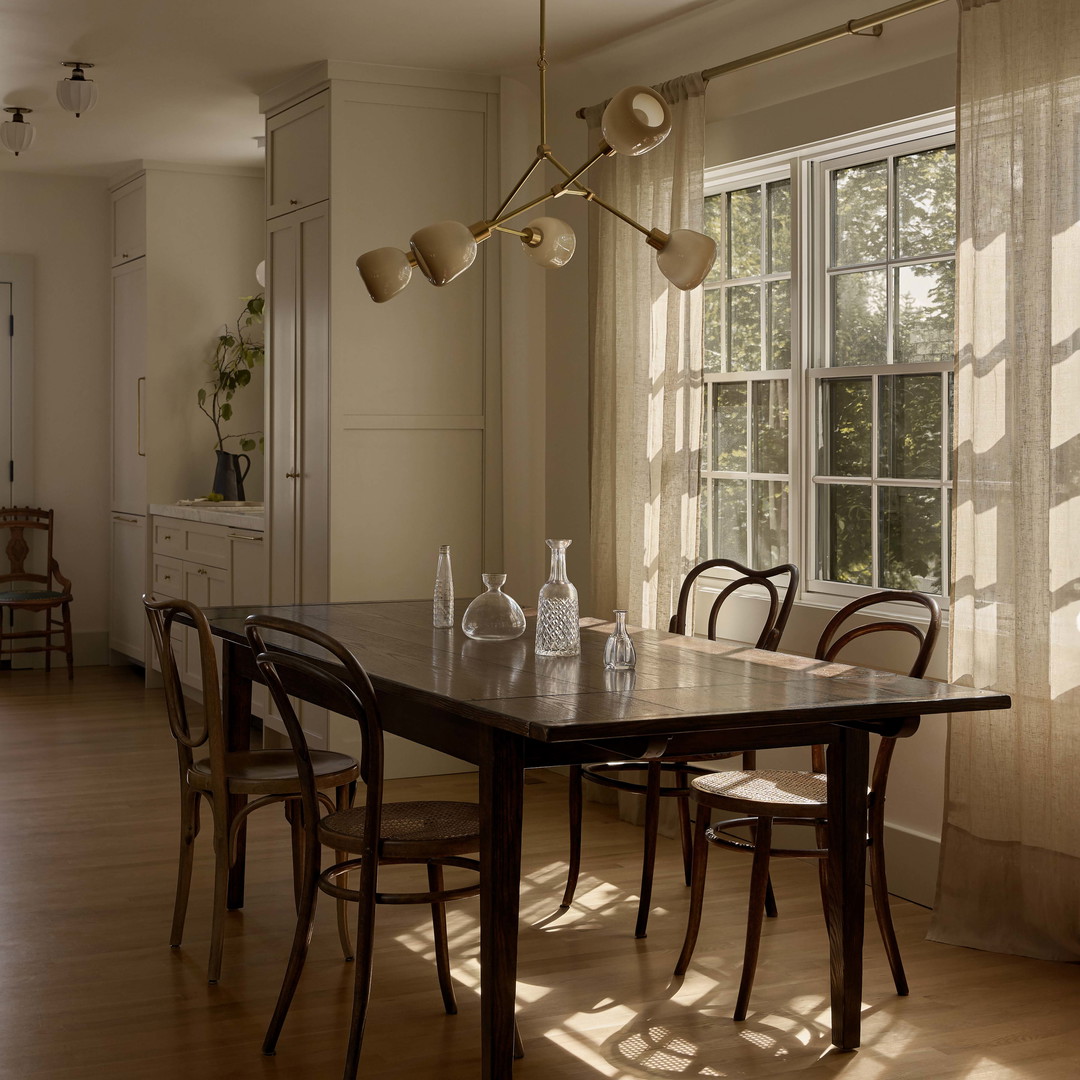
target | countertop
[{"x": 235, "y": 515}]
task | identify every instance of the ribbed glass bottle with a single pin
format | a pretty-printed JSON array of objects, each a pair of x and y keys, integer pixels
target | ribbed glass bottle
[{"x": 442, "y": 608}]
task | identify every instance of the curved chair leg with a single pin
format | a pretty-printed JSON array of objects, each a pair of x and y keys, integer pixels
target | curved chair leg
[
  {"x": 294, "y": 815},
  {"x": 365, "y": 941},
  {"x": 343, "y": 800},
  {"x": 442, "y": 945},
  {"x": 305, "y": 923},
  {"x": 697, "y": 890},
  {"x": 880, "y": 889},
  {"x": 221, "y": 892},
  {"x": 682, "y": 804},
  {"x": 648, "y": 857},
  {"x": 770, "y": 898},
  {"x": 574, "y": 860},
  {"x": 189, "y": 829},
  {"x": 68, "y": 652},
  {"x": 759, "y": 879}
]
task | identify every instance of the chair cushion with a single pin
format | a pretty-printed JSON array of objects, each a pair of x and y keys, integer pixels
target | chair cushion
[
  {"x": 456, "y": 823},
  {"x": 16, "y": 595},
  {"x": 764, "y": 788},
  {"x": 274, "y": 771}
]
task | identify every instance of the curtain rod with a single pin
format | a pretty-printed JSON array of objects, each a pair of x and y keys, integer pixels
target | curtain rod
[{"x": 867, "y": 26}]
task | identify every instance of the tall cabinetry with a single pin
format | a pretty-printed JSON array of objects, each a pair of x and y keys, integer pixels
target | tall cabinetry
[
  {"x": 384, "y": 420},
  {"x": 185, "y": 245}
]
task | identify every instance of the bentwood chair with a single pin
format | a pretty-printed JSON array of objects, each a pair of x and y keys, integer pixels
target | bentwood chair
[
  {"x": 627, "y": 775},
  {"x": 22, "y": 589},
  {"x": 430, "y": 834},
  {"x": 763, "y": 798},
  {"x": 225, "y": 778}
]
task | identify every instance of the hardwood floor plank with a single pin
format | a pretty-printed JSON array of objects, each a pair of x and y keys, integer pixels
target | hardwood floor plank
[{"x": 91, "y": 990}]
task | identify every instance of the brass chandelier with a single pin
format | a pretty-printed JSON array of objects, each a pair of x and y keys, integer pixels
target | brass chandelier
[{"x": 636, "y": 120}]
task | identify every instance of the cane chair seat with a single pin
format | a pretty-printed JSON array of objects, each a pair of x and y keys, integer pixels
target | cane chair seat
[
  {"x": 756, "y": 791},
  {"x": 264, "y": 772},
  {"x": 423, "y": 824}
]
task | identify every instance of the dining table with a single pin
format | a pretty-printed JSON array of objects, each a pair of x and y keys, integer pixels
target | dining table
[{"x": 503, "y": 708}]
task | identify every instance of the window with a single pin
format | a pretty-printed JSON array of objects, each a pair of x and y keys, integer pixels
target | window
[{"x": 828, "y": 362}]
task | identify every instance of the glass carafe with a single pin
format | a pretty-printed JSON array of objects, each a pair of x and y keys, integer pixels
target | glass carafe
[
  {"x": 619, "y": 654},
  {"x": 557, "y": 630},
  {"x": 442, "y": 608},
  {"x": 493, "y": 616}
]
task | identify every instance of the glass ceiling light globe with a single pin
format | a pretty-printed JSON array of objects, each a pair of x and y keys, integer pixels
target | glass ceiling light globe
[
  {"x": 685, "y": 257},
  {"x": 77, "y": 94},
  {"x": 16, "y": 134},
  {"x": 443, "y": 251},
  {"x": 636, "y": 120},
  {"x": 385, "y": 272},
  {"x": 549, "y": 242}
]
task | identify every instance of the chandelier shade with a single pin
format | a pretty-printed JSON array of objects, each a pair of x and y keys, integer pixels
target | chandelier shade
[
  {"x": 17, "y": 134},
  {"x": 549, "y": 242},
  {"x": 636, "y": 120},
  {"x": 685, "y": 257},
  {"x": 77, "y": 93},
  {"x": 385, "y": 272},
  {"x": 443, "y": 251}
]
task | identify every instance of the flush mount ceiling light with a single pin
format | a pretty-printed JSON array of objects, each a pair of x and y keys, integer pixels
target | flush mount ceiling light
[
  {"x": 77, "y": 94},
  {"x": 16, "y": 134},
  {"x": 635, "y": 121}
]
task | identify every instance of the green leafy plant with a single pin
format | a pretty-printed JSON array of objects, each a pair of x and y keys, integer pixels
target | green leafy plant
[{"x": 234, "y": 358}]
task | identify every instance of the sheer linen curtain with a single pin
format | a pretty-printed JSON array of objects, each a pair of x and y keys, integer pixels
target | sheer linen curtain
[
  {"x": 646, "y": 371},
  {"x": 1010, "y": 870}
]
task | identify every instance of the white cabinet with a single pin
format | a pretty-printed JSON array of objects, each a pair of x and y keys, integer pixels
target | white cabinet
[
  {"x": 127, "y": 622},
  {"x": 129, "y": 221},
  {"x": 297, "y": 156},
  {"x": 129, "y": 388}
]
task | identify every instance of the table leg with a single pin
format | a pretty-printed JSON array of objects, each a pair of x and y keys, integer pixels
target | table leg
[
  {"x": 501, "y": 788},
  {"x": 847, "y": 764},
  {"x": 236, "y": 714}
]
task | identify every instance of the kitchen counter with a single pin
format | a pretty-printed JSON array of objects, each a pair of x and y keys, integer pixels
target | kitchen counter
[{"x": 235, "y": 515}]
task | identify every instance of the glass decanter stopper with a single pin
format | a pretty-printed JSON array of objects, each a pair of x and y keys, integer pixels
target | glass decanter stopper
[
  {"x": 493, "y": 616},
  {"x": 557, "y": 630},
  {"x": 619, "y": 654},
  {"x": 442, "y": 609}
]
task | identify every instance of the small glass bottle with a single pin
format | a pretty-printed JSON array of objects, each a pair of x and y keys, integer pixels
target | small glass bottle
[
  {"x": 493, "y": 616},
  {"x": 619, "y": 654},
  {"x": 557, "y": 630},
  {"x": 442, "y": 610}
]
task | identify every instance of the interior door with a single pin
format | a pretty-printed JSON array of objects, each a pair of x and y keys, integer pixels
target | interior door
[{"x": 7, "y": 361}]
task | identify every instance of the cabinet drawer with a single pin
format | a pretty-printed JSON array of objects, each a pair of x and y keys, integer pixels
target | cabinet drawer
[
  {"x": 170, "y": 537},
  {"x": 192, "y": 541},
  {"x": 168, "y": 578},
  {"x": 298, "y": 156}
]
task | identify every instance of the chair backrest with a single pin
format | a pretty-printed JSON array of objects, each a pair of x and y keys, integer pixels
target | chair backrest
[
  {"x": 775, "y": 619},
  {"x": 305, "y": 653},
  {"x": 162, "y": 615},
  {"x": 834, "y": 639},
  {"x": 18, "y": 525}
]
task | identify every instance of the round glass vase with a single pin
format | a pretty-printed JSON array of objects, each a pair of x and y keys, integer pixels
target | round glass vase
[
  {"x": 493, "y": 616},
  {"x": 557, "y": 630}
]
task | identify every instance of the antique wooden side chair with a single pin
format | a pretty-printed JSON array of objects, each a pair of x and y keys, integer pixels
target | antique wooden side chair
[
  {"x": 226, "y": 778},
  {"x": 627, "y": 775},
  {"x": 431, "y": 834},
  {"x": 762, "y": 798},
  {"x": 22, "y": 589}
]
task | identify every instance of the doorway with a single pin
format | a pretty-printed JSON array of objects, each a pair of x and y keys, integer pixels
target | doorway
[{"x": 16, "y": 380}]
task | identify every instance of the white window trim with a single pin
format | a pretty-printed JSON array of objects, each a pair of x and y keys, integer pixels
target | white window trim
[{"x": 799, "y": 163}]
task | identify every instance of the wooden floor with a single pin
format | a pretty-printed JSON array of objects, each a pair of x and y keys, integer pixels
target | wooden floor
[{"x": 89, "y": 988}]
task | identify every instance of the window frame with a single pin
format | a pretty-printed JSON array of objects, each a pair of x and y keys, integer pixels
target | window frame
[{"x": 805, "y": 167}]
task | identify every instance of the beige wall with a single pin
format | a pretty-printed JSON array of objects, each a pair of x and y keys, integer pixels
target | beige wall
[{"x": 63, "y": 223}]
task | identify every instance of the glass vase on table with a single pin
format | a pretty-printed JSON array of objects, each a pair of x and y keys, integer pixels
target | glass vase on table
[{"x": 557, "y": 629}]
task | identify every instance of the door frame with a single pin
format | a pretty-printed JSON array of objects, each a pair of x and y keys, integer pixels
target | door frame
[{"x": 18, "y": 270}]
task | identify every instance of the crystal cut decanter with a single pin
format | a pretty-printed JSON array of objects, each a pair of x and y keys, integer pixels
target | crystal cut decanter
[
  {"x": 557, "y": 630},
  {"x": 619, "y": 654},
  {"x": 493, "y": 616}
]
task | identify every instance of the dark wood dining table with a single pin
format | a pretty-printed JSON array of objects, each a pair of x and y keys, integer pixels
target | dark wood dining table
[{"x": 504, "y": 709}]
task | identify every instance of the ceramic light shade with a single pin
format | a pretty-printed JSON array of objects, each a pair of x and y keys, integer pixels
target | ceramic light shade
[
  {"x": 549, "y": 243},
  {"x": 443, "y": 250},
  {"x": 16, "y": 134},
  {"x": 77, "y": 93},
  {"x": 385, "y": 272},
  {"x": 686, "y": 257},
  {"x": 636, "y": 119}
]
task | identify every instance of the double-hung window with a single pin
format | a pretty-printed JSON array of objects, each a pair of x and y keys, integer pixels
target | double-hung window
[{"x": 828, "y": 361}]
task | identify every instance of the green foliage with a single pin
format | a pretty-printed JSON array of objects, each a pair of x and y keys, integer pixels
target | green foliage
[{"x": 235, "y": 356}]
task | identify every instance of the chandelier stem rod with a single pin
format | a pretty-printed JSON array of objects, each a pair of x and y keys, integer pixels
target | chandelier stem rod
[{"x": 542, "y": 64}]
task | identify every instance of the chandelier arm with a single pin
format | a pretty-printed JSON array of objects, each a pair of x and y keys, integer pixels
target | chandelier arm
[
  {"x": 593, "y": 197},
  {"x": 508, "y": 214},
  {"x": 520, "y": 184},
  {"x": 512, "y": 232},
  {"x": 572, "y": 178}
]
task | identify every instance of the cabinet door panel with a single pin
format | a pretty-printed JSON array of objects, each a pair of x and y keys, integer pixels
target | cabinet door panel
[
  {"x": 127, "y": 621},
  {"x": 129, "y": 222},
  {"x": 207, "y": 586},
  {"x": 129, "y": 388},
  {"x": 298, "y": 156}
]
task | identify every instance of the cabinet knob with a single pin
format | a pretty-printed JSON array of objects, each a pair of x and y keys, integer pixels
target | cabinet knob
[
  {"x": 201, "y": 570},
  {"x": 294, "y": 202},
  {"x": 291, "y": 475},
  {"x": 168, "y": 536},
  {"x": 167, "y": 577}
]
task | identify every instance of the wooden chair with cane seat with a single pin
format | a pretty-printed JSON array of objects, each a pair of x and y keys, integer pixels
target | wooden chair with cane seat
[
  {"x": 226, "y": 778},
  {"x": 431, "y": 834},
  {"x": 24, "y": 590},
  {"x": 621, "y": 775},
  {"x": 762, "y": 798}
]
